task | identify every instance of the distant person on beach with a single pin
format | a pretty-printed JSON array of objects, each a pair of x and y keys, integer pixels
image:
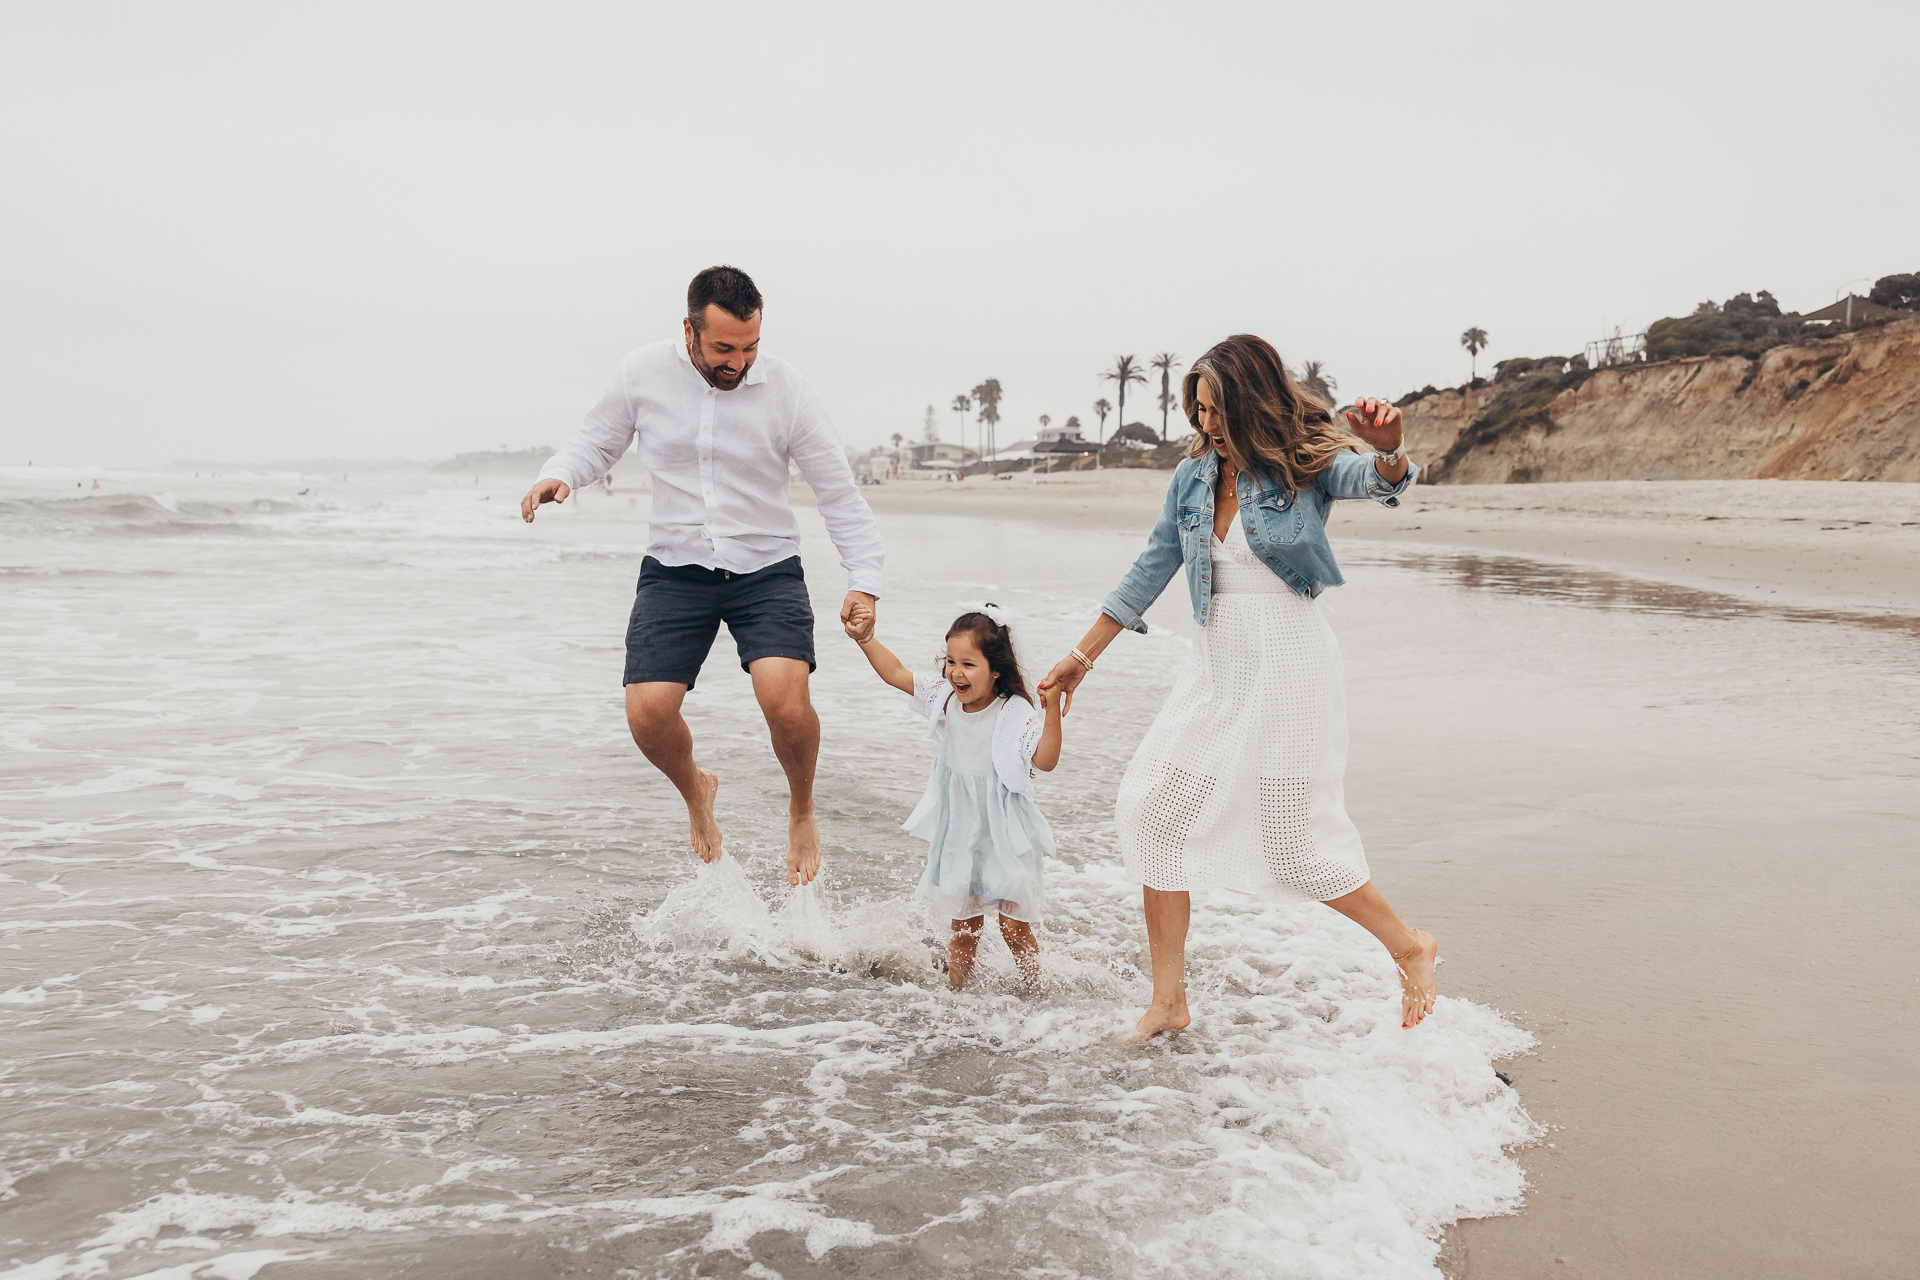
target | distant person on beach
[
  {"x": 1239, "y": 781},
  {"x": 985, "y": 837},
  {"x": 718, "y": 427}
]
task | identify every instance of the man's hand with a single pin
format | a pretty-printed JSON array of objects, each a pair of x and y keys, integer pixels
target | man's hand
[
  {"x": 1064, "y": 679},
  {"x": 542, "y": 491},
  {"x": 858, "y": 615}
]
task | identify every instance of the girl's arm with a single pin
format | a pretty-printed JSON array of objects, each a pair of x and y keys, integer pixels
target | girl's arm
[
  {"x": 886, "y": 666},
  {"x": 1047, "y": 754}
]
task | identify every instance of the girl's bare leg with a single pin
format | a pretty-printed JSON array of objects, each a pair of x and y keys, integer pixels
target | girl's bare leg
[
  {"x": 1025, "y": 948},
  {"x": 960, "y": 950},
  {"x": 1414, "y": 951},
  {"x": 1167, "y": 917}
]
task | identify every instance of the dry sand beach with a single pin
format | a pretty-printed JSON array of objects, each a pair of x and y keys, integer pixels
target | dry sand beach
[{"x": 1681, "y": 856}]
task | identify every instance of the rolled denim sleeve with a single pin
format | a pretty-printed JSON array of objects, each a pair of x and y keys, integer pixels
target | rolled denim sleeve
[
  {"x": 1353, "y": 475},
  {"x": 1150, "y": 574}
]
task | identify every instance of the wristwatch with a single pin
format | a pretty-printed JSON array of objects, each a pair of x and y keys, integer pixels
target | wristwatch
[{"x": 1388, "y": 459}]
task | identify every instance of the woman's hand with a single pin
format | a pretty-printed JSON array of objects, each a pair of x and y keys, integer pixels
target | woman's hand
[
  {"x": 1062, "y": 680},
  {"x": 1376, "y": 422}
]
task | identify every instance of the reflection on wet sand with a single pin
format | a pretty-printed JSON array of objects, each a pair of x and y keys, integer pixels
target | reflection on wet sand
[{"x": 1603, "y": 589}]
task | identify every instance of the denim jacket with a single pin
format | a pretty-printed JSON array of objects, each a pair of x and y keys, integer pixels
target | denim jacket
[{"x": 1287, "y": 531}]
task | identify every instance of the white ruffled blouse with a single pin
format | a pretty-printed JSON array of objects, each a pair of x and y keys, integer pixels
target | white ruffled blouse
[{"x": 1016, "y": 733}]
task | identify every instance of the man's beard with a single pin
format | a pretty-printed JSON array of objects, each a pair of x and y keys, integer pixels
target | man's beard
[{"x": 718, "y": 377}]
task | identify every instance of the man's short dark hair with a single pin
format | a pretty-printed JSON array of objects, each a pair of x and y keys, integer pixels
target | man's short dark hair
[{"x": 728, "y": 288}]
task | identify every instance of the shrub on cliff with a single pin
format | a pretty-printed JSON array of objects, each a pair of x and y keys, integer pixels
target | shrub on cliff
[
  {"x": 1899, "y": 292},
  {"x": 1742, "y": 326},
  {"x": 1523, "y": 389}
]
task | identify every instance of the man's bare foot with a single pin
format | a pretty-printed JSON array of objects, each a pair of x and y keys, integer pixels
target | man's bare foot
[
  {"x": 803, "y": 849},
  {"x": 1417, "y": 989},
  {"x": 1161, "y": 1015},
  {"x": 701, "y": 828}
]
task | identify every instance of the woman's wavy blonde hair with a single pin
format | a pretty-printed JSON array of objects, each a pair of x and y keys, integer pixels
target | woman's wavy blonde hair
[{"x": 1273, "y": 424}]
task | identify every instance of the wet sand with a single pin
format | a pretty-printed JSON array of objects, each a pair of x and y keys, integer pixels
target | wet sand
[{"x": 1682, "y": 859}]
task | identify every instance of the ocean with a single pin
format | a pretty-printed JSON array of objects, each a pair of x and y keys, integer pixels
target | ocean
[{"x": 345, "y": 932}]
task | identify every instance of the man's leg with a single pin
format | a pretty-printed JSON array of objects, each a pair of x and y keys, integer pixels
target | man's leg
[
  {"x": 781, "y": 686},
  {"x": 653, "y": 717}
]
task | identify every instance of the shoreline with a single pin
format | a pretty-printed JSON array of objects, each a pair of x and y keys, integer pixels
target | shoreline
[{"x": 1811, "y": 544}]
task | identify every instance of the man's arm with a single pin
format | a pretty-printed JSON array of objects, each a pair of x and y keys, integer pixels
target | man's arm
[
  {"x": 822, "y": 459},
  {"x": 591, "y": 451}
]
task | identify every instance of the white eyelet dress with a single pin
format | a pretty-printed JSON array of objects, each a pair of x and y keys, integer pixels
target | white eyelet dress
[
  {"x": 1239, "y": 781},
  {"x": 984, "y": 841}
]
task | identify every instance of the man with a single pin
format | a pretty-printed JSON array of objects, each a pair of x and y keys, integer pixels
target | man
[{"x": 718, "y": 427}]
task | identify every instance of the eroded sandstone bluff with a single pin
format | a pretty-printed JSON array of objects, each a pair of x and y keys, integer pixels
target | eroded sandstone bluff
[{"x": 1839, "y": 408}]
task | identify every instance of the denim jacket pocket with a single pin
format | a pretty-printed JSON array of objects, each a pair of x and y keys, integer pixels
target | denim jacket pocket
[
  {"x": 1193, "y": 520},
  {"x": 1282, "y": 520}
]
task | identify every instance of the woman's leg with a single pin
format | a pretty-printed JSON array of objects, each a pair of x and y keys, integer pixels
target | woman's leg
[
  {"x": 1025, "y": 948},
  {"x": 1167, "y": 917},
  {"x": 960, "y": 949},
  {"x": 1412, "y": 950}
]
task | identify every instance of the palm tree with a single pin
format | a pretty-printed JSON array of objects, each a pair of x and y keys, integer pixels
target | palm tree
[
  {"x": 1314, "y": 376},
  {"x": 1044, "y": 420},
  {"x": 1102, "y": 408},
  {"x": 1166, "y": 362},
  {"x": 1124, "y": 371},
  {"x": 987, "y": 396},
  {"x": 1475, "y": 341},
  {"x": 961, "y": 405}
]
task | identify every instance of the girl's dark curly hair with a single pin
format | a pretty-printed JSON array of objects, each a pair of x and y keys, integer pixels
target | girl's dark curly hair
[{"x": 996, "y": 645}]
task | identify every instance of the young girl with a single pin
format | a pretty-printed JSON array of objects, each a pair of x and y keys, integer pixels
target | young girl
[{"x": 984, "y": 834}]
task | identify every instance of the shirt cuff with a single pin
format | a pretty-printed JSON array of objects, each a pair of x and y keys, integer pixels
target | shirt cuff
[
  {"x": 1388, "y": 495},
  {"x": 866, "y": 580}
]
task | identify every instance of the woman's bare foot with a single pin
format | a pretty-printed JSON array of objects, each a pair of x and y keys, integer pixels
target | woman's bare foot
[
  {"x": 701, "y": 828},
  {"x": 803, "y": 849},
  {"x": 1162, "y": 1015},
  {"x": 1417, "y": 988}
]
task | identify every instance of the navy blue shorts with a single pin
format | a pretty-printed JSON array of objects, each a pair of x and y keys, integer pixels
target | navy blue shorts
[{"x": 678, "y": 609}]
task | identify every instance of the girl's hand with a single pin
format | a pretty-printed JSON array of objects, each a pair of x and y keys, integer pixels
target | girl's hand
[
  {"x": 858, "y": 621},
  {"x": 1063, "y": 680},
  {"x": 1377, "y": 422}
]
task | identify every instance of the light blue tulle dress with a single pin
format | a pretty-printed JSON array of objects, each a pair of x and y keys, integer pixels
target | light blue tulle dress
[{"x": 985, "y": 842}]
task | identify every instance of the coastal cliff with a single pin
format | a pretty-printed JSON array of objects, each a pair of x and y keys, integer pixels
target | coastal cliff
[{"x": 1839, "y": 408}]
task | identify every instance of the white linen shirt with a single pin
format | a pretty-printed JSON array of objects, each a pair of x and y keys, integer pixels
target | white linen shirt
[{"x": 719, "y": 463}]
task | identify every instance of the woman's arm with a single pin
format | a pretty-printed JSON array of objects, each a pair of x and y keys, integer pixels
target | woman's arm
[
  {"x": 1379, "y": 425},
  {"x": 1156, "y": 565},
  {"x": 1047, "y": 754},
  {"x": 1070, "y": 671},
  {"x": 1122, "y": 608}
]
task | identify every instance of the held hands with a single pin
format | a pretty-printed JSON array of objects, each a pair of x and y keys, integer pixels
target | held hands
[
  {"x": 858, "y": 615},
  {"x": 542, "y": 491},
  {"x": 1376, "y": 422},
  {"x": 1062, "y": 681}
]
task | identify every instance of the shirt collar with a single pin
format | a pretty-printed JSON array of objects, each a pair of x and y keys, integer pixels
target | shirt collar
[{"x": 755, "y": 376}]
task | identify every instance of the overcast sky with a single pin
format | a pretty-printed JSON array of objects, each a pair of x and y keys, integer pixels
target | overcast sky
[{"x": 250, "y": 232}]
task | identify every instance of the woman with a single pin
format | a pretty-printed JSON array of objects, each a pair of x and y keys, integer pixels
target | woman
[{"x": 1238, "y": 782}]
